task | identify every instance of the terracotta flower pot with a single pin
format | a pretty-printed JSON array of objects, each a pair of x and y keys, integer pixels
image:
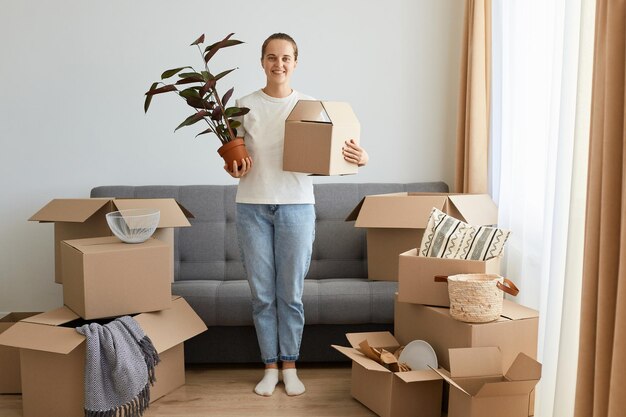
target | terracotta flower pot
[{"x": 235, "y": 150}]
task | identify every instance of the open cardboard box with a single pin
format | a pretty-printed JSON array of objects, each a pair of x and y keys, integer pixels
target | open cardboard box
[
  {"x": 387, "y": 393},
  {"x": 105, "y": 277},
  {"x": 315, "y": 132},
  {"x": 481, "y": 388},
  {"x": 416, "y": 276},
  {"x": 10, "y": 380},
  {"x": 52, "y": 356},
  {"x": 78, "y": 218},
  {"x": 515, "y": 331},
  {"x": 395, "y": 223}
]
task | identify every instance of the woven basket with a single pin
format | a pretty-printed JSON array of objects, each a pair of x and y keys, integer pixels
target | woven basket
[{"x": 477, "y": 298}]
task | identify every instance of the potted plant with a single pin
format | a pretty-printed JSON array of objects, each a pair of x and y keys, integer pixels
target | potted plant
[{"x": 199, "y": 90}]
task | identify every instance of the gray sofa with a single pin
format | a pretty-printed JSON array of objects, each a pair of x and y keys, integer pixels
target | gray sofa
[{"x": 338, "y": 297}]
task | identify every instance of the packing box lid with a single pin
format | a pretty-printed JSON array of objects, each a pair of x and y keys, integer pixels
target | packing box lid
[
  {"x": 95, "y": 245},
  {"x": 78, "y": 210},
  {"x": 334, "y": 112},
  {"x": 397, "y": 210},
  {"x": 412, "y": 210},
  {"x": 473, "y": 364},
  {"x": 384, "y": 340},
  {"x": 42, "y": 332}
]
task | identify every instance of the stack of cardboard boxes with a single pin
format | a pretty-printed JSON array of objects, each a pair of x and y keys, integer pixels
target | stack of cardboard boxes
[
  {"x": 102, "y": 278},
  {"x": 490, "y": 367}
]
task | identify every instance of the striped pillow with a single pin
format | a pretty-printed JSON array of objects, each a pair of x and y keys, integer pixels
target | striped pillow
[{"x": 450, "y": 238}]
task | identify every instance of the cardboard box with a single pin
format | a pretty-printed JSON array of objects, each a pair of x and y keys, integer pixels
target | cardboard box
[
  {"x": 515, "y": 331},
  {"x": 315, "y": 132},
  {"x": 416, "y": 276},
  {"x": 10, "y": 380},
  {"x": 391, "y": 394},
  {"x": 479, "y": 387},
  {"x": 52, "y": 356},
  {"x": 85, "y": 217},
  {"x": 395, "y": 223},
  {"x": 105, "y": 277}
]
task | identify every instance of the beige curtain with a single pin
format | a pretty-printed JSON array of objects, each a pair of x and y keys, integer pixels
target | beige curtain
[
  {"x": 601, "y": 383},
  {"x": 472, "y": 151}
]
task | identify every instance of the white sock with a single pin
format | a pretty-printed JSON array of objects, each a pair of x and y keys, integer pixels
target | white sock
[
  {"x": 266, "y": 387},
  {"x": 293, "y": 385}
]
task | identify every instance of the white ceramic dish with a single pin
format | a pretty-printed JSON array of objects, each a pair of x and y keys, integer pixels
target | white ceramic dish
[{"x": 419, "y": 355}]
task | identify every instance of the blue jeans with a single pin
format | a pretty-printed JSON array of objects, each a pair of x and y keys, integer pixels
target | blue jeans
[{"x": 276, "y": 242}]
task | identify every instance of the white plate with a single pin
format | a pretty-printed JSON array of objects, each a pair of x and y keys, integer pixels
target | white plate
[{"x": 419, "y": 355}]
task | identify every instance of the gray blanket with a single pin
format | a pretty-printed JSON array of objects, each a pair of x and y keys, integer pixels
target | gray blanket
[{"x": 119, "y": 368}]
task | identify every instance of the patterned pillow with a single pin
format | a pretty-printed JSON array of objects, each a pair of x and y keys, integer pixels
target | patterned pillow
[{"x": 450, "y": 238}]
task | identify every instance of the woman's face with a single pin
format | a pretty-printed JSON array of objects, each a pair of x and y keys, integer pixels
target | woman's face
[{"x": 278, "y": 61}]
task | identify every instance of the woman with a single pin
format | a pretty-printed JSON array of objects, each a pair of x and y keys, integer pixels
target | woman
[{"x": 276, "y": 217}]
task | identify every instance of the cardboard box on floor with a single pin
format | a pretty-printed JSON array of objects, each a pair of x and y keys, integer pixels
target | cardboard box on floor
[
  {"x": 315, "y": 132},
  {"x": 105, "y": 277},
  {"x": 10, "y": 381},
  {"x": 78, "y": 218},
  {"x": 515, "y": 331},
  {"x": 52, "y": 356},
  {"x": 395, "y": 223},
  {"x": 416, "y": 276},
  {"x": 479, "y": 386},
  {"x": 387, "y": 393}
]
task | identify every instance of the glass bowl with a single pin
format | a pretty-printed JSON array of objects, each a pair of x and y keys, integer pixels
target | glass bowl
[{"x": 134, "y": 225}]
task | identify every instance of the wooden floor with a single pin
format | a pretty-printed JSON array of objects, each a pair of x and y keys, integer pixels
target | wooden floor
[{"x": 228, "y": 391}]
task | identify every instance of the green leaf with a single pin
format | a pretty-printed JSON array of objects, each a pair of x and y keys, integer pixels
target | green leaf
[
  {"x": 146, "y": 104},
  {"x": 189, "y": 74},
  {"x": 206, "y": 75},
  {"x": 234, "y": 124},
  {"x": 227, "y": 96},
  {"x": 191, "y": 92},
  {"x": 171, "y": 72},
  {"x": 194, "y": 118},
  {"x": 198, "y": 104},
  {"x": 164, "y": 89},
  {"x": 223, "y": 73},
  {"x": 198, "y": 41},
  {"x": 236, "y": 111}
]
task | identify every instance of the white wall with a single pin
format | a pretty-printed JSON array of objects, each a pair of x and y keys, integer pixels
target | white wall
[{"x": 73, "y": 74}]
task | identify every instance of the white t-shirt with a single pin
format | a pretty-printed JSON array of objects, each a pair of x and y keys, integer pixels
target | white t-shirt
[{"x": 263, "y": 130}]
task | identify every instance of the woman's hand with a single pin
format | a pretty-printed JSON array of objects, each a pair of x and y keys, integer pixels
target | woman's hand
[
  {"x": 353, "y": 153},
  {"x": 246, "y": 166}
]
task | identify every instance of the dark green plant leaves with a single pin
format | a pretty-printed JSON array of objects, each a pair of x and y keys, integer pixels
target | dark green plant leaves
[
  {"x": 230, "y": 42},
  {"x": 234, "y": 124},
  {"x": 164, "y": 89},
  {"x": 171, "y": 72},
  {"x": 204, "y": 132},
  {"x": 191, "y": 92},
  {"x": 146, "y": 104},
  {"x": 193, "y": 78},
  {"x": 236, "y": 111},
  {"x": 223, "y": 73},
  {"x": 194, "y": 118},
  {"x": 198, "y": 41}
]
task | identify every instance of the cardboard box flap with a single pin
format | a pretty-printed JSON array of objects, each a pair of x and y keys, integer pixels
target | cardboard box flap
[
  {"x": 17, "y": 316},
  {"x": 56, "y": 317},
  {"x": 167, "y": 328},
  {"x": 476, "y": 361},
  {"x": 498, "y": 389},
  {"x": 43, "y": 338},
  {"x": 109, "y": 243},
  {"x": 340, "y": 113},
  {"x": 173, "y": 214},
  {"x": 524, "y": 368},
  {"x": 418, "y": 376},
  {"x": 308, "y": 111},
  {"x": 514, "y": 311},
  {"x": 75, "y": 210},
  {"x": 383, "y": 340},
  {"x": 446, "y": 376},
  {"x": 360, "y": 358},
  {"x": 392, "y": 211},
  {"x": 476, "y": 209}
]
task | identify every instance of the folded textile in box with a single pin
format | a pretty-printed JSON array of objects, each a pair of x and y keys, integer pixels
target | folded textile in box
[
  {"x": 448, "y": 237},
  {"x": 119, "y": 368}
]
